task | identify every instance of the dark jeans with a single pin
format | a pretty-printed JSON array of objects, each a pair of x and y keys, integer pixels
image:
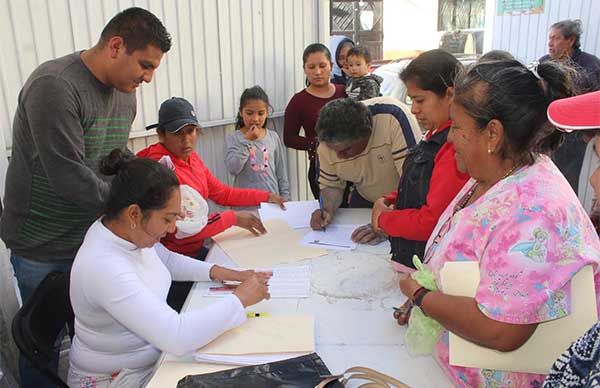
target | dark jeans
[
  {"x": 569, "y": 157},
  {"x": 29, "y": 275},
  {"x": 357, "y": 201},
  {"x": 179, "y": 291}
]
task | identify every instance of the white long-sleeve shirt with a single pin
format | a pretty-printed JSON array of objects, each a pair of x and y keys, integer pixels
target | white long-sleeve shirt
[{"x": 122, "y": 319}]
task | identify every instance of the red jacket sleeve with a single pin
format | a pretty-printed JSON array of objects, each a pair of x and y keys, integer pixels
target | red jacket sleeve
[
  {"x": 446, "y": 182},
  {"x": 190, "y": 245},
  {"x": 217, "y": 223},
  {"x": 291, "y": 127},
  {"x": 231, "y": 196}
]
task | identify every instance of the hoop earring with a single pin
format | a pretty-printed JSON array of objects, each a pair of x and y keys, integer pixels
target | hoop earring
[{"x": 133, "y": 226}]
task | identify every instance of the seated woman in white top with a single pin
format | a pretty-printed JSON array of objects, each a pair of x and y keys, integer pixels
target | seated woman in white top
[{"x": 121, "y": 276}]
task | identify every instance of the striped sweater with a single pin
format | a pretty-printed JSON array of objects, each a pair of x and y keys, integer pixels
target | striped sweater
[
  {"x": 66, "y": 121},
  {"x": 376, "y": 171}
]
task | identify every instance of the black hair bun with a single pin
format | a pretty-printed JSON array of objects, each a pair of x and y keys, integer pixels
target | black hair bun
[{"x": 117, "y": 159}]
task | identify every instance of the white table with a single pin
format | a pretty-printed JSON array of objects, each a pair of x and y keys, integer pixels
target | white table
[{"x": 352, "y": 295}]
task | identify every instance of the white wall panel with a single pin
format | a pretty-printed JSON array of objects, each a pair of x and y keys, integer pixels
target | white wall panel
[
  {"x": 212, "y": 147},
  {"x": 525, "y": 36},
  {"x": 219, "y": 48}
]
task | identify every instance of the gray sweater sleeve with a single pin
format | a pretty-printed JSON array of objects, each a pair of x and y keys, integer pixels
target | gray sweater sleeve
[
  {"x": 52, "y": 111},
  {"x": 281, "y": 170},
  {"x": 237, "y": 153}
]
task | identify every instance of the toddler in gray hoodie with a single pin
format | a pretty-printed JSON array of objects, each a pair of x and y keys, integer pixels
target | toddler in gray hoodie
[{"x": 361, "y": 85}]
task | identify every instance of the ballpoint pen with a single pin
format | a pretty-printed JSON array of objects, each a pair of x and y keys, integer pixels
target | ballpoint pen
[{"x": 321, "y": 208}]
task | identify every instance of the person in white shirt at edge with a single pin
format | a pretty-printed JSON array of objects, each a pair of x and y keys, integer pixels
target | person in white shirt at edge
[{"x": 121, "y": 276}]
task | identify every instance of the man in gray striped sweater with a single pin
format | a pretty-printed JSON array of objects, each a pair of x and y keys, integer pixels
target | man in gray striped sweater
[{"x": 71, "y": 112}]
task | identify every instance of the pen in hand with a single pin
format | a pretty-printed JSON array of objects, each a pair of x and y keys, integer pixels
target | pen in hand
[{"x": 322, "y": 213}]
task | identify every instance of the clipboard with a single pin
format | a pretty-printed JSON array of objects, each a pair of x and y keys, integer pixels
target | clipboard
[{"x": 549, "y": 340}]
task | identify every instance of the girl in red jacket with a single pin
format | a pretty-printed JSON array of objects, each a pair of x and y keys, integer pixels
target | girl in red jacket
[{"x": 177, "y": 131}]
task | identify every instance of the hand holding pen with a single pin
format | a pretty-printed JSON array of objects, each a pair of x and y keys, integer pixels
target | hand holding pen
[
  {"x": 321, "y": 209},
  {"x": 320, "y": 218}
]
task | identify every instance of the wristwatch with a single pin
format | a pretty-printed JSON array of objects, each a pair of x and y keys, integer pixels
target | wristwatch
[{"x": 419, "y": 295}]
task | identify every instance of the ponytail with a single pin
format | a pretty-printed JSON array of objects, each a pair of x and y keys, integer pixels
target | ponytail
[
  {"x": 518, "y": 97},
  {"x": 556, "y": 83}
]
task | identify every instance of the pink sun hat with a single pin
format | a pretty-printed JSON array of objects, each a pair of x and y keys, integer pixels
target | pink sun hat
[{"x": 576, "y": 113}]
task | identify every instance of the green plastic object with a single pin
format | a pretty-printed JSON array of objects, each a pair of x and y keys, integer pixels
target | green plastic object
[{"x": 423, "y": 332}]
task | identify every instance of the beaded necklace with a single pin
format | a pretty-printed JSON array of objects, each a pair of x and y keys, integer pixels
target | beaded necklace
[
  {"x": 465, "y": 200},
  {"x": 459, "y": 206}
]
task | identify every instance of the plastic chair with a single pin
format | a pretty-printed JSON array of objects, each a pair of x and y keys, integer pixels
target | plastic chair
[{"x": 38, "y": 323}]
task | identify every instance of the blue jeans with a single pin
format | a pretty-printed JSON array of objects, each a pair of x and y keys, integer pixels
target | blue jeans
[{"x": 29, "y": 275}]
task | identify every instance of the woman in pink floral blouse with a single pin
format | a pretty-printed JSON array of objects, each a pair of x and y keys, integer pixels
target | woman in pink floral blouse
[{"x": 518, "y": 217}]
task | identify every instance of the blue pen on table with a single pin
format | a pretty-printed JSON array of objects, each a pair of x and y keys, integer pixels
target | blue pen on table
[{"x": 321, "y": 209}]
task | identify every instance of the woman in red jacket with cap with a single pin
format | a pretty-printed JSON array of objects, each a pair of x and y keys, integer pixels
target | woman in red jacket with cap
[{"x": 177, "y": 130}]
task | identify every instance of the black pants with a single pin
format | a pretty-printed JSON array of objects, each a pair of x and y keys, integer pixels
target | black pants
[
  {"x": 313, "y": 178},
  {"x": 357, "y": 201},
  {"x": 569, "y": 157},
  {"x": 179, "y": 291}
]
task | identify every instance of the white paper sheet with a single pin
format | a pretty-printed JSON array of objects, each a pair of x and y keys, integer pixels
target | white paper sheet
[
  {"x": 338, "y": 237},
  {"x": 297, "y": 213},
  {"x": 286, "y": 282}
]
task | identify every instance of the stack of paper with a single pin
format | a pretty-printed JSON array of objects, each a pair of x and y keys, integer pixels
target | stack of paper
[
  {"x": 337, "y": 237},
  {"x": 260, "y": 340},
  {"x": 281, "y": 244},
  {"x": 286, "y": 282},
  {"x": 296, "y": 214}
]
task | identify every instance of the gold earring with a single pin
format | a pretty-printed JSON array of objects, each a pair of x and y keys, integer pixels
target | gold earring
[
  {"x": 133, "y": 226},
  {"x": 490, "y": 151}
]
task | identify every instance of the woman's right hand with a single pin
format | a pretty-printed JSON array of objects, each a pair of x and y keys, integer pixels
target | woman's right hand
[
  {"x": 380, "y": 206},
  {"x": 250, "y": 222},
  {"x": 252, "y": 290},
  {"x": 403, "y": 313},
  {"x": 253, "y": 133}
]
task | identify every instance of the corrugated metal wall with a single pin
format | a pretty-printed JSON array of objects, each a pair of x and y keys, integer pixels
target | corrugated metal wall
[
  {"x": 219, "y": 48},
  {"x": 526, "y": 36}
]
